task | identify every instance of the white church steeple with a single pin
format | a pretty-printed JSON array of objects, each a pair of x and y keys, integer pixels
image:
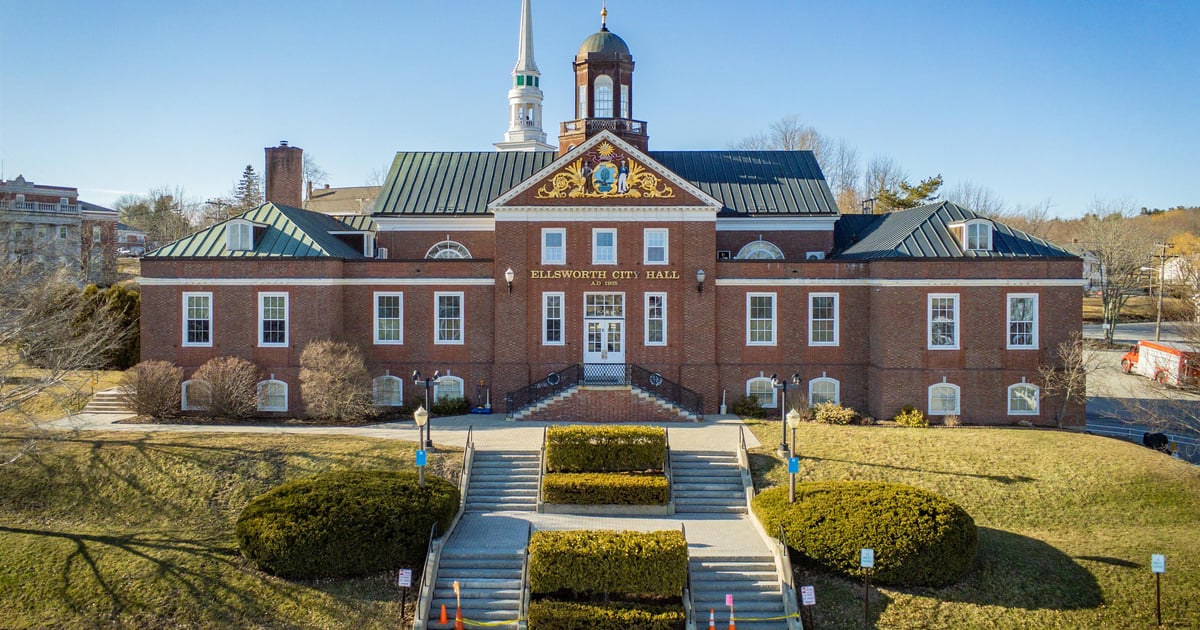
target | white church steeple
[{"x": 525, "y": 98}]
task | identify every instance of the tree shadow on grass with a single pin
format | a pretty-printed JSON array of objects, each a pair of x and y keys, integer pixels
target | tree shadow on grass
[{"x": 1000, "y": 479}]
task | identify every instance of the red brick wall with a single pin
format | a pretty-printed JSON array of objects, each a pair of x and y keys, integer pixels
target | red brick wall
[{"x": 602, "y": 404}]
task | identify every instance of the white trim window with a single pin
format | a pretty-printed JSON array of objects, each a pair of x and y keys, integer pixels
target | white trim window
[
  {"x": 449, "y": 250},
  {"x": 1022, "y": 321},
  {"x": 763, "y": 389},
  {"x": 195, "y": 395},
  {"x": 944, "y": 399},
  {"x": 655, "y": 250},
  {"x": 554, "y": 246},
  {"x": 1024, "y": 399},
  {"x": 824, "y": 390},
  {"x": 656, "y": 319},
  {"x": 272, "y": 395},
  {"x": 604, "y": 96},
  {"x": 978, "y": 236},
  {"x": 448, "y": 318},
  {"x": 552, "y": 319},
  {"x": 272, "y": 320},
  {"x": 239, "y": 236},
  {"x": 197, "y": 320},
  {"x": 389, "y": 318},
  {"x": 943, "y": 321},
  {"x": 448, "y": 387},
  {"x": 760, "y": 319},
  {"x": 822, "y": 319},
  {"x": 388, "y": 391},
  {"x": 760, "y": 250},
  {"x": 604, "y": 246}
]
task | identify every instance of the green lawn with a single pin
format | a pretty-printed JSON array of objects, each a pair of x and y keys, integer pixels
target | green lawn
[
  {"x": 1067, "y": 524},
  {"x": 136, "y": 530}
]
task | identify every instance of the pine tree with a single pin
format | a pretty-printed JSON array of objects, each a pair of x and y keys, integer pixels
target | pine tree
[
  {"x": 249, "y": 189},
  {"x": 906, "y": 196}
]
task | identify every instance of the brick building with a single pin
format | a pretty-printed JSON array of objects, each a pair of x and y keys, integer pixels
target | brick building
[
  {"x": 51, "y": 228},
  {"x": 607, "y": 281}
]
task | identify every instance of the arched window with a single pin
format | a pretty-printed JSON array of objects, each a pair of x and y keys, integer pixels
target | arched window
[
  {"x": 448, "y": 249},
  {"x": 977, "y": 235},
  {"x": 604, "y": 96},
  {"x": 760, "y": 250},
  {"x": 762, "y": 389},
  {"x": 272, "y": 395},
  {"x": 195, "y": 395},
  {"x": 448, "y": 387},
  {"x": 1023, "y": 399},
  {"x": 823, "y": 390},
  {"x": 388, "y": 391},
  {"x": 943, "y": 399}
]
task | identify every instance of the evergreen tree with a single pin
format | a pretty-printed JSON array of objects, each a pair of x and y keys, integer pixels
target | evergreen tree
[
  {"x": 905, "y": 195},
  {"x": 249, "y": 189}
]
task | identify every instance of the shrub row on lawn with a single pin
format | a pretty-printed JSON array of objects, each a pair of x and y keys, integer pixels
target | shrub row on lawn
[
  {"x": 556, "y": 615},
  {"x": 919, "y": 538},
  {"x": 607, "y": 563},
  {"x": 605, "y": 449},
  {"x": 605, "y": 488},
  {"x": 345, "y": 523}
]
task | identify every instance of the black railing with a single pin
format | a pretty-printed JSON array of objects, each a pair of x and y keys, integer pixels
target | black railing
[
  {"x": 658, "y": 386},
  {"x": 605, "y": 374},
  {"x": 554, "y": 383}
]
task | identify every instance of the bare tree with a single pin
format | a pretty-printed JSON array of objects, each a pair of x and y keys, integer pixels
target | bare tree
[
  {"x": 1122, "y": 252},
  {"x": 313, "y": 173},
  {"x": 883, "y": 173},
  {"x": 378, "y": 176},
  {"x": 1033, "y": 219},
  {"x": 976, "y": 197},
  {"x": 842, "y": 171},
  {"x": 1065, "y": 379}
]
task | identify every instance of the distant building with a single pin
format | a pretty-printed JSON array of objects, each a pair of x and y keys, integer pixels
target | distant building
[
  {"x": 351, "y": 200},
  {"x": 49, "y": 226},
  {"x": 130, "y": 240}
]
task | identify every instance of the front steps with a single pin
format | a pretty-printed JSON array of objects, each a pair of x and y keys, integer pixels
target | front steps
[
  {"x": 707, "y": 481},
  {"x": 489, "y": 583},
  {"x": 751, "y": 580},
  {"x": 504, "y": 481},
  {"x": 605, "y": 403},
  {"x": 107, "y": 401}
]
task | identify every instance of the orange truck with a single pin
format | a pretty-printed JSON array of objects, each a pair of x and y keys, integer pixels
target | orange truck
[{"x": 1174, "y": 364}]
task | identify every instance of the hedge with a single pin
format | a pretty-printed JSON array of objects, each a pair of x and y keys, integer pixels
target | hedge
[
  {"x": 605, "y": 449},
  {"x": 345, "y": 523},
  {"x": 919, "y": 538},
  {"x": 607, "y": 563},
  {"x": 606, "y": 488},
  {"x": 556, "y": 615}
]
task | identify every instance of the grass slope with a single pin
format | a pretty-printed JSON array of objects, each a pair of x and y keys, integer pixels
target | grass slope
[
  {"x": 135, "y": 530},
  {"x": 1067, "y": 524}
]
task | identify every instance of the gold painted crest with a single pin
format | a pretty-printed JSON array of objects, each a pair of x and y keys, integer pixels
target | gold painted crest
[{"x": 604, "y": 173}]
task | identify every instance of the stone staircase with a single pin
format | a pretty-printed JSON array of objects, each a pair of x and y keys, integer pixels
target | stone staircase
[
  {"x": 489, "y": 583},
  {"x": 107, "y": 401},
  {"x": 504, "y": 481},
  {"x": 707, "y": 481},
  {"x": 753, "y": 582}
]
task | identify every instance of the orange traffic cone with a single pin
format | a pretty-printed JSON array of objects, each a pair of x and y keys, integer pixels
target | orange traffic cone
[
  {"x": 732, "y": 626},
  {"x": 458, "y": 621},
  {"x": 443, "y": 619},
  {"x": 712, "y": 619}
]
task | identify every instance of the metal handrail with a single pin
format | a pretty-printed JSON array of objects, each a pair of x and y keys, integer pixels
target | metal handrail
[
  {"x": 665, "y": 389},
  {"x": 421, "y": 614},
  {"x": 689, "y": 606},
  {"x": 787, "y": 581},
  {"x": 523, "y": 613},
  {"x": 533, "y": 393},
  {"x": 667, "y": 469},
  {"x": 541, "y": 469},
  {"x": 468, "y": 445}
]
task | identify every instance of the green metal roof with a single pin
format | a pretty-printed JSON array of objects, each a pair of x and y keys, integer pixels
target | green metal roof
[
  {"x": 604, "y": 42},
  {"x": 357, "y": 222},
  {"x": 924, "y": 232},
  {"x": 289, "y": 233},
  {"x": 440, "y": 183}
]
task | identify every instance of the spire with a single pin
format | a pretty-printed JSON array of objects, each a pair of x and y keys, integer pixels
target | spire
[
  {"x": 525, "y": 62},
  {"x": 604, "y": 15}
]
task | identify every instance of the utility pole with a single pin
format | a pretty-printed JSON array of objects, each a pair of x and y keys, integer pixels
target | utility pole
[{"x": 1162, "y": 275}]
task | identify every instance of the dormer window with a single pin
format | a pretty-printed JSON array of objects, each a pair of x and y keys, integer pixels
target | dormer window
[
  {"x": 978, "y": 236},
  {"x": 239, "y": 236}
]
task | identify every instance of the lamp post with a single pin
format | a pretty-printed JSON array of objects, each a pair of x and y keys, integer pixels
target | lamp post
[
  {"x": 782, "y": 385},
  {"x": 421, "y": 416},
  {"x": 417, "y": 380},
  {"x": 793, "y": 421},
  {"x": 700, "y": 276},
  {"x": 508, "y": 277}
]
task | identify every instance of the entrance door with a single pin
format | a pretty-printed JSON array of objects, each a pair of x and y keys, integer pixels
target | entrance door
[{"x": 604, "y": 338}]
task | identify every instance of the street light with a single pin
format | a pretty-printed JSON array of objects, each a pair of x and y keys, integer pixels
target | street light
[
  {"x": 793, "y": 421},
  {"x": 508, "y": 277},
  {"x": 418, "y": 379},
  {"x": 782, "y": 385},
  {"x": 422, "y": 418}
]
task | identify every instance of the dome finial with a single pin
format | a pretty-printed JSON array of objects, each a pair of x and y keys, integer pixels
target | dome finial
[{"x": 604, "y": 15}]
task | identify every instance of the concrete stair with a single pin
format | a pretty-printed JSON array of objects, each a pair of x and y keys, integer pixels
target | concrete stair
[
  {"x": 707, "y": 482},
  {"x": 489, "y": 583},
  {"x": 107, "y": 401},
  {"x": 753, "y": 582},
  {"x": 504, "y": 481}
]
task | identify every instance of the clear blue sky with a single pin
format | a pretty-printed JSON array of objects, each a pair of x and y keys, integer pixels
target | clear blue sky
[{"x": 1060, "y": 100}]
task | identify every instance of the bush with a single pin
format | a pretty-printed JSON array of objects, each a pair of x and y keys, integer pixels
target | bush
[
  {"x": 447, "y": 406},
  {"x": 232, "y": 386},
  {"x": 607, "y": 563},
  {"x": 556, "y": 615},
  {"x": 345, "y": 523},
  {"x": 919, "y": 538},
  {"x": 124, "y": 306},
  {"x": 910, "y": 416},
  {"x": 833, "y": 413},
  {"x": 606, "y": 489},
  {"x": 152, "y": 388},
  {"x": 952, "y": 421},
  {"x": 334, "y": 382},
  {"x": 605, "y": 449},
  {"x": 748, "y": 407}
]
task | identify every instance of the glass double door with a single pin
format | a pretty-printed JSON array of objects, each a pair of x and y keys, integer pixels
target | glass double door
[{"x": 604, "y": 337}]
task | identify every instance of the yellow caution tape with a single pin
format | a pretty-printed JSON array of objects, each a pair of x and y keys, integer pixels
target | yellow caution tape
[
  {"x": 488, "y": 624},
  {"x": 791, "y": 616}
]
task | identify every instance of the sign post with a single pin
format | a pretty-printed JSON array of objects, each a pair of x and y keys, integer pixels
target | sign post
[
  {"x": 729, "y": 603},
  {"x": 866, "y": 560},
  {"x": 793, "y": 468},
  {"x": 1158, "y": 565},
  {"x": 404, "y": 579},
  {"x": 422, "y": 458},
  {"x": 808, "y": 599}
]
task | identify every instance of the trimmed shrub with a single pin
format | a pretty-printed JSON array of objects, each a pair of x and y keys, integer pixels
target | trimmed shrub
[
  {"x": 748, "y": 407},
  {"x": 608, "y": 563},
  {"x": 152, "y": 388},
  {"x": 232, "y": 386},
  {"x": 334, "y": 382},
  {"x": 556, "y": 615},
  {"x": 910, "y": 416},
  {"x": 606, "y": 488},
  {"x": 919, "y": 538},
  {"x": 951, "y": 421},
  {"x": 605, "y": 449},
  {"x": 447, "y": 406},
  {"x": 345, "y": 523},
  {"x": 833, "y": 413}
]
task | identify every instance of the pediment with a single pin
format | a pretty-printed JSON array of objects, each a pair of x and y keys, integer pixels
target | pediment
[{"x": 605, "y": 172}]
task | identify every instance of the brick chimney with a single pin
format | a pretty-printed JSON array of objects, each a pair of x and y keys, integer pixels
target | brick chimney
[{"x": 285, "y": 175}]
